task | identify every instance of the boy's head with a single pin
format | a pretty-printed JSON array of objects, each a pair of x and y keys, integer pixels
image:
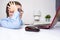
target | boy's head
[{"x": 19, "y": 9}]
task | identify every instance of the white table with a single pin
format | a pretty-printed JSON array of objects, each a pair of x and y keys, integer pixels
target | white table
[
  {"x": 21, "y": 34},
  {"x": 40, "y": 23}
]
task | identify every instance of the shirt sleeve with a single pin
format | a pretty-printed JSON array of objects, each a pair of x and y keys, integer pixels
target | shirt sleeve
[
  {"x": 15, "y": 15},
  {"x": 14, "y": 22}
]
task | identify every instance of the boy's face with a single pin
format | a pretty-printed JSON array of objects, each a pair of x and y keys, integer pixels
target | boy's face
[{"x": 11, "y": 12}]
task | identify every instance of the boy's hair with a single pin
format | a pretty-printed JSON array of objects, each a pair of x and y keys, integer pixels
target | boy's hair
[{"x": 17, "y": 3}]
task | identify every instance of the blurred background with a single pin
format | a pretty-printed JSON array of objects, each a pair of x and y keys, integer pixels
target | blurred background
[{"x": 30, "y": 7}]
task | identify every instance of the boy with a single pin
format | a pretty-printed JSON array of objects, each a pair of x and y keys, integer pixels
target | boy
[{"x": 14, "y": 14}]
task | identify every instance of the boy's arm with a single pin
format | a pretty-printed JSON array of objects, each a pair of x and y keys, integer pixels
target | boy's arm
[
  {"x": 15, "y": 15},
  {"x": 14, "y": 22},
  {"x": 11, "y": 24}
]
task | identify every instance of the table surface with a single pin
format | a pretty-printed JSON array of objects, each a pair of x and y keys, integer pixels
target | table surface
[
  {"x": 40, "y": 23},
  {"x": 21, "y": 34}
]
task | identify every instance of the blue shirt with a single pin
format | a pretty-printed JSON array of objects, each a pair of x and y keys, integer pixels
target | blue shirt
[{"x": 14, "y": 22}]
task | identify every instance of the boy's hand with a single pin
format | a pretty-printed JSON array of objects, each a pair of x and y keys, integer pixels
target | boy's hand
[{"x": 12, "y": 7}]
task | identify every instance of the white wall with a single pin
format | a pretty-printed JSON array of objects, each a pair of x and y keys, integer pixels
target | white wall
[{"x": 30, "y": 7}]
